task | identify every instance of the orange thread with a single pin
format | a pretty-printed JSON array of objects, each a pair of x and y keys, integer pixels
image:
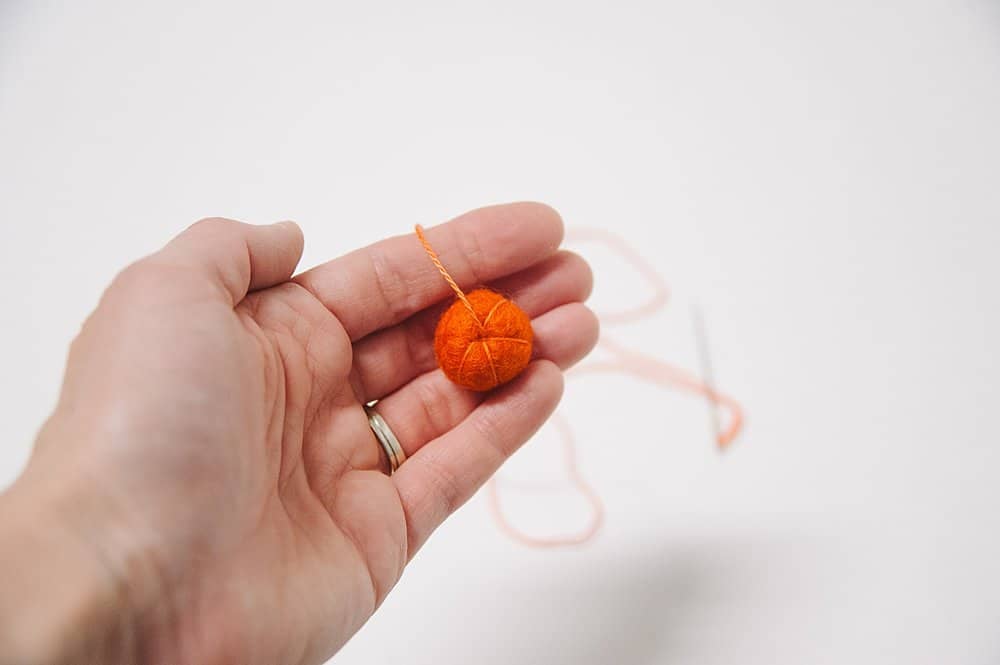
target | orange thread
[{"x": 444, "y": 273}]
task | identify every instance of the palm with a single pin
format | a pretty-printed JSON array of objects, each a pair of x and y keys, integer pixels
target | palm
[
  {"x": 312, "y": 496},
  {"x": 286, "y": 531}
]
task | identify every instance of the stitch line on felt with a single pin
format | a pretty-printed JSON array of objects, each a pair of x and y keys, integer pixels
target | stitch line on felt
[
  {"x": 465, "y": 356},
  {"x": 489, "y": 358},
  {"x": 505, "y": 339},
  {"x": 489, "y": 315}
]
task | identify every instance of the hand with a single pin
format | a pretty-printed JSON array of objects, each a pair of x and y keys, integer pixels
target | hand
[{"x": 209, "y": 467}]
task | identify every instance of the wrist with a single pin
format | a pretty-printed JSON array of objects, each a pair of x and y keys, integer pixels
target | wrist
[{"x": 74, "y": 589}]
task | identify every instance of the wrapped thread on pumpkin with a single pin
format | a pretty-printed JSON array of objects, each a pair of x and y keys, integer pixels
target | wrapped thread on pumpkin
[{"x": 483, "y": 340}]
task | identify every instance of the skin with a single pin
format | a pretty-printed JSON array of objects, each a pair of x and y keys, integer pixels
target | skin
[{"x": 208, "y": 490}]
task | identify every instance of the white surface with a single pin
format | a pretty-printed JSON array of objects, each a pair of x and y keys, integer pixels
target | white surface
[{"x": 821, "y": 177}]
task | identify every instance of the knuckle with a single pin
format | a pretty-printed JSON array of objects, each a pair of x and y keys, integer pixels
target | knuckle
[
  {"x": 213, "y": 224},
  {"x": 393, "y": 290},
  {"x": 140, "y": 281},
  {"x": 473, "y": 254},
  {"x": 137, "y": 277},
  {"x": 490, "y": 430},
  {"x": 432, "y": 402},
  {"x": 446, "y": 486},
  {"x": 223, "y": 233},
  {"x": 418, "y": 353}
]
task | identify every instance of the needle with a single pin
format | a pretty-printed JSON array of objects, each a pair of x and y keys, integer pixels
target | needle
[{"x": 704, "y": 359}]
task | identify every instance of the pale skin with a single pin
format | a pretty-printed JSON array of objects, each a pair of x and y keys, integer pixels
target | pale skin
[{"x": 208, "y": 489}]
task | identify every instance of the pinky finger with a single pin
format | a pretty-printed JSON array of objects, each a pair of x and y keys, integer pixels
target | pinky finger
[{"x": 447, "y": 471}]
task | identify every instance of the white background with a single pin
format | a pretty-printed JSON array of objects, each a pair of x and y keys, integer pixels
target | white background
[{"x": 821, "y": 177}]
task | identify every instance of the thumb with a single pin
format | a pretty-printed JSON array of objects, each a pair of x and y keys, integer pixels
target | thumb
[{"x": 235, "y": 256}]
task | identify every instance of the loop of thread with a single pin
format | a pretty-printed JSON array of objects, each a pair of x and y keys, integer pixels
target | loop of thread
[
  {"x": 444, "y": 273},
  {"x": 578, "y": 481}
]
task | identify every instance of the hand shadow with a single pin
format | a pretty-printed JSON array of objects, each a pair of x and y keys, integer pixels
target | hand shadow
[{"x": 706, "y": 601}]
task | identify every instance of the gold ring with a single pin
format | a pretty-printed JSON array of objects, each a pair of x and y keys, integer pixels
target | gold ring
[{"x": 388, "y": 440}]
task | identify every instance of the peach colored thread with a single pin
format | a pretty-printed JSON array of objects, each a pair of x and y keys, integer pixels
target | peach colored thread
[
  {"x": 597, "y": 507},
  {"x": 631, "y": 363},
  {"x": 665, "y": 375},
  {"x": 661, "y": 292},
  {"x": 444, "y": 273}
]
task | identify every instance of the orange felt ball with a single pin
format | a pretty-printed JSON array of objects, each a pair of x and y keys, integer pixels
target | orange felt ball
[{"x": 483, "y": 351}]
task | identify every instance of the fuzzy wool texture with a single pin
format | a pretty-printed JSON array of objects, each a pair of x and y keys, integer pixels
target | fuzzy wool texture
[{"x": 489, "y": 349}]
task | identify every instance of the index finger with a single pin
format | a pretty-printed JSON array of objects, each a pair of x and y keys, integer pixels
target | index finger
[{"x": 385, "y": 283}]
